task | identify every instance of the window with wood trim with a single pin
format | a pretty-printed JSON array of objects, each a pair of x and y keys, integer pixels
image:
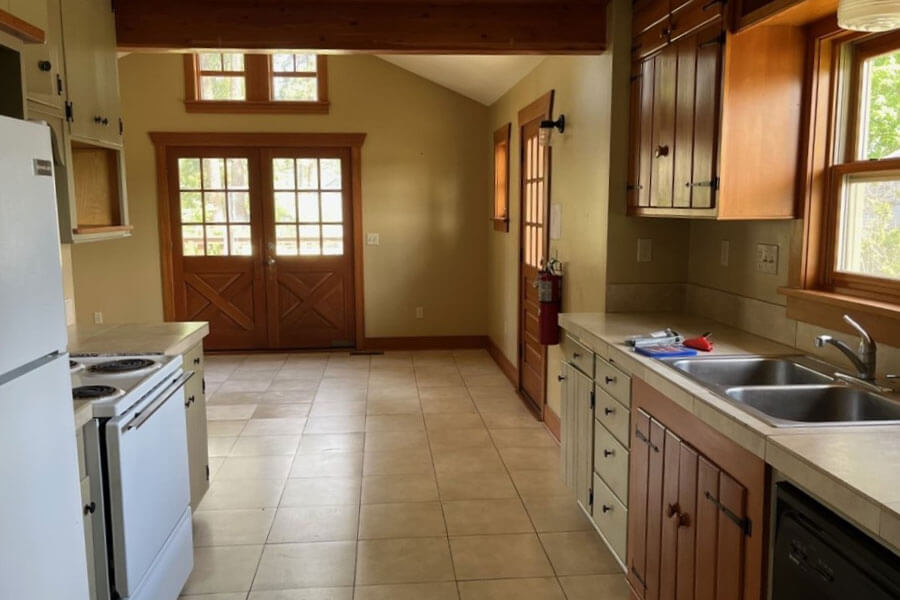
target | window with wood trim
[
  {"x": 501, "y": 178},
  {"x": 862, "y": 240},
  {"x": 280, "y": 82},
  {"x": 309, "y": 198}
]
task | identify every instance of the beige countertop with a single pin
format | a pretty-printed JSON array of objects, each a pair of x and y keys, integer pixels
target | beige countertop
[
  {"x": 855, "y": 470},
  {"x": 136, "y": 338}
]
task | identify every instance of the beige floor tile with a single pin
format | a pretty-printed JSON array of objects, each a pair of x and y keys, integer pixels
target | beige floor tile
[
  {"x": 215, "y": 463},
  {"x": 293, "y": 385},
  {"x": 242, "y": 493},
  {"x": 321, "y": 491},
  {"x": 314, "y": 524},
  {"x": 591, "y": 587},
  {"x": 220, "y": 398},
  {"x": 232, "y": 527},
  {"x": 579, "y": 553},
  {"x": 224, "y": 428},
  {"x": 499, "y": 556},
  {"x": 394, "y": 406},
  {"x": 438, "y": 421},
  {"x": 475, "y": 486},
  {"x": 287, "y": 397},
  {"x": 331, "y": 393},
  {"x": 222, "y": 569},
  {"x": 394, "y": 423},
  {"x": 299, "y": 410},
  {"x": 334, "y": 593},
  {"x": 245, "y": 385},
  {"x": 388, "y": 390},
  {"x": 315, "y": 564},
  {"x": 220, "y": 446},
  {"x": 331, "y": 442},
  {"x": 447, "y": 405},
  {"x": 489, "y": 392},
  {"x": 395, "y": 441},
  {"x": 331, "y": 464},
  {"x": 530, "y": 458},
  {"x": 401, "y": 520},
  {"x": 406, "y": 560},
  {"x": 539, "y": 483},
  {"x": 225, "y": 596},
  {"x": 505, "y": 589},
  {"x": 338, "y": 408},
  {"x": 281, "y": 426},
  {"x": 255, "y": 467},
  {"x": 556, "y": 513},
  {"x": 401, "y": 379},
  {"x": 477, "y": 517},
  {"x": 445, "y": 393},
  {"x": 266, "y": 445},
  {"x": 442, "y": 440},
  {"x": 229, "y": 412},
  {"x": 413, "y": 487},
  {"x": 468, "y": 460},
  {"x": 506, "y": 420},
  {"x": 497, "y": 379},
  {"x": 344, "y": 424},
  {"x": 528, "y": 437},
  {"x": 401, "y": 462},
  {"x": 408, "y": 591}
]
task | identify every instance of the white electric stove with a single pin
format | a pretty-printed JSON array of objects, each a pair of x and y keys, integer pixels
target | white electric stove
[{"x": 136, "y": 455}]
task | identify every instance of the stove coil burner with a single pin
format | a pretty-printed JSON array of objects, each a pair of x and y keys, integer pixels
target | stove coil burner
[
  {"x": 93, "y": 392},
  {"x": 122, "y": 365}
]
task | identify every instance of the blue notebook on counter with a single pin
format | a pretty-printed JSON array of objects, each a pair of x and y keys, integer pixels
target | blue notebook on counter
[{"x": 669, "y": 351}]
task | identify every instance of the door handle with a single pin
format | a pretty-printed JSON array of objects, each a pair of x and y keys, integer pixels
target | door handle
[
  {"x": 270, "y": 261},
  {"x": 661, "y": 150}
]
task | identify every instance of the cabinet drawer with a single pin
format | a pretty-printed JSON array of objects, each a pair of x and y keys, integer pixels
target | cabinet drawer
[
  {"x": 614, "y": 382},
  {"x": 614, "y": 416},
  {"x": 578, "y": 355},
  {"x": 694, "y": 16},
  {"x": 611, "y": 518},
  {"x": 610, "y": 461}
]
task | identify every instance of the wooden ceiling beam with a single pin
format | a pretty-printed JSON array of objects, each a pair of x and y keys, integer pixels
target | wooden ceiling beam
[{"x": 385, "y": 26}]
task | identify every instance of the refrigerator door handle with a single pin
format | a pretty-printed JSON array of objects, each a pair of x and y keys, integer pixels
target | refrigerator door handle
[{"x": 144, "y": 415}]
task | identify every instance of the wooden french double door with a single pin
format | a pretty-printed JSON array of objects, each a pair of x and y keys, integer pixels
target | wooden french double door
[{"x": 262, "y": 245}]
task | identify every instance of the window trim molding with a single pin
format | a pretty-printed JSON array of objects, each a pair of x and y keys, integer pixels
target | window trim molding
[
  {"x": 502, "y": 137},
  {"x": 258, "y": 75}
]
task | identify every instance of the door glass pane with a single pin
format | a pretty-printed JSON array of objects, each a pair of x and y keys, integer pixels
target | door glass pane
[
  {"x": 239, "y": 207},
  {"x": 286, "y": 240},
  {"x": 283, "y": 173},
  {"x": 869, "y": 231},
  {"x": 331, "y": 173},
  {"x": 189, "y": 173},
  {"x": 285, "y": 207},
  {"x": 309, "y": 240},
  {"x": 307, "y": 174},
  {"x": 191, "y": 207},
  {"x": 213, "y": 173},
  {"x": 332, "y": 239},
  {"x": 331, "y": 207},
  {"x": 238, "y": 174},
  {"x": 309, "y": 207},
  {"x": 215, "y": 207},
  {"x": 192, "y": 240},
  {"x": 216, "y": 240},
  {"x": 239, "y": 240}
]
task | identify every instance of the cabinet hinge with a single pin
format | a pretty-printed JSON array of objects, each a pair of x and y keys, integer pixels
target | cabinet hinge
[
  {"x": 744, "y": 523},
  {"x": 203, "y": 385},
  {"x": 70, "y": 112},
  {"x": 58, "y": 84},
  {"x": 591, "y": 497},
  {"x": 593, "y": 399},
  {"x": 207, "y": 472},
  {"x": 718, "y": 40},
  {"x": 631, "y": 187},
  {"x": 121, "y": 127}
]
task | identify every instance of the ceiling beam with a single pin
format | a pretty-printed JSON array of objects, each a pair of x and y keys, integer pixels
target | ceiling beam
[{"x": 385, "y": 26}]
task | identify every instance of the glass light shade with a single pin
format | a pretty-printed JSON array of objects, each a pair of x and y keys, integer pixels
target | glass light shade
[
  {"x": 545, "y": 136},
  {"x": 869, "y": 15}
]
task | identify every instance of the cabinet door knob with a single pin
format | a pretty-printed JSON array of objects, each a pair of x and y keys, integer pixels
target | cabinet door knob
[
  {"x": 672, "y": 510},
  {"x": 609, "y": 411},
  {"x": 609, "y": 379},
  {"x": 661, "y": 150},
  {"x": 45, "y": 65},
  {"x": 197, "y": 361},
  {"x": 606, "y": 508},
  {"x": 560, "y": 377},
  {"x": 608, "y": 453},
  {"x": 575, "y": 355},
  {"x": 101, "y": 120},
  {"x": 90, "y": 508}
]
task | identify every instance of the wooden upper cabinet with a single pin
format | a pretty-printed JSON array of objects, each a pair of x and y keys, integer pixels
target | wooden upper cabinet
[
  {"x": 89, "y": 42},
  {"x": 716, "y": 134},
  {"x": 43, "y": 63}
]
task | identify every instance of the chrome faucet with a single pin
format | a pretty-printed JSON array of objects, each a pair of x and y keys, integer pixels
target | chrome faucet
[{"x": 864, "y": 358}]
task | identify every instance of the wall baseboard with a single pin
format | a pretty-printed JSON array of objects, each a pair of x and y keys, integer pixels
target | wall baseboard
[
  {"x": 507, "y": 367},
  {"x": 551, "y": 421},
  {"x": 437, "y": 342}
]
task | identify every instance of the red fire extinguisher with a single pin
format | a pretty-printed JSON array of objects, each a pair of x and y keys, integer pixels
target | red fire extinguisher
[{"x": 549, "y": 286}]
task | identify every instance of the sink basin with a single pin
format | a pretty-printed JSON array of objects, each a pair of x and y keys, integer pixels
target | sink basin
[
  {"x": 749, "y": 371},
  {"x": 797, "y": 405}
]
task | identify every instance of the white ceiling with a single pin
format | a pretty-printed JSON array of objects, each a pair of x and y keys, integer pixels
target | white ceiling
[{"x": 481, "y": 78}]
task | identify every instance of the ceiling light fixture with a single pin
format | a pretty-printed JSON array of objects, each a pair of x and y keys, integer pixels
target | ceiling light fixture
[
  {"x": 546, "y": 129},
  {"x": 869, "y": 15}
]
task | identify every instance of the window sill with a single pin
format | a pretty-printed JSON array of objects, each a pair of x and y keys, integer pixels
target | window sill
[
  {"x": 828, "y": 309},
  {"x": 501, "y": 225},
  {"x": 254, "y": 106}
]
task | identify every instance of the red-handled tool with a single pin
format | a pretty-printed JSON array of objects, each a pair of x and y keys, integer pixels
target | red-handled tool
[{"x": 700, "y": 343}]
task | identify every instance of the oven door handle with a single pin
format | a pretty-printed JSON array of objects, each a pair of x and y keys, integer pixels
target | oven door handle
[{"x": 143, "y": 416}]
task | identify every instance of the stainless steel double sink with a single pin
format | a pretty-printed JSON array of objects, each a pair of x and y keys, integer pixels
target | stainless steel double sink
[{"x": 789, "y": 391}]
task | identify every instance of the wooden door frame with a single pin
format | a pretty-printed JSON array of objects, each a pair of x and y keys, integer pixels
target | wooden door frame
[
  {"x": 164, "y": 140},
  {"x": 541, "y": 108}
]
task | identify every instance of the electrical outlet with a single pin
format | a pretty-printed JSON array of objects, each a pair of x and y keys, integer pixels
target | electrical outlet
[
  {"x": 724, "y": 250},
  {"x": 420, "y": 312},
  {"x": 767, "y": 258},
  {"x": 373, "y": 239},
  {"x": 644, "y": 250},
  {"x": 98, "y": 318}
]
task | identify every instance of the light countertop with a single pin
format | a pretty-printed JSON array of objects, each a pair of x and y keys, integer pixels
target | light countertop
[
  {"x": 136, "y": 338},
  {"x": 855, "y": 470}
]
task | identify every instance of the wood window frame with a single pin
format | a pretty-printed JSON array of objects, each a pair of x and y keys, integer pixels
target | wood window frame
[
  {"x": 163, "y": 141},
  {"x": 817, "y": 293},
  {"x": 258, "y": 75},
  {"x": 500, "y": 216}
]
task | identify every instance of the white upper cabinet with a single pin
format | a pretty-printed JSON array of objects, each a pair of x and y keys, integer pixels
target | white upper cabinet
[
  {"x": 33, "y": 12},
  {"x": 43, "y": 63}
]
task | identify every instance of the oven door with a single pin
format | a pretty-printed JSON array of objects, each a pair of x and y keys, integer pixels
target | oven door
[{"x": 146, "y": 453}]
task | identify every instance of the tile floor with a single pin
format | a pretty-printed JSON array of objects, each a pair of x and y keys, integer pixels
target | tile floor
[{"x": 392, "y": 477}]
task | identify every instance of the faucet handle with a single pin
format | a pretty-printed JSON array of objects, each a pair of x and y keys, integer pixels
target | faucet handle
[
  {"x": 891, "y": 376},
  {"x": 821, "y": 340},
  {"x": 866, "y": 338}
]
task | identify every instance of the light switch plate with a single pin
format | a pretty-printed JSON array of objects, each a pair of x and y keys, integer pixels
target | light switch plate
[
  {"x": 644, "y": 250},
  {"x": 724, "y": 251},
  {"x": 373, "y": 239},
  {"x": 767, "y": 258},
  {"x": 420, "y": 312}
]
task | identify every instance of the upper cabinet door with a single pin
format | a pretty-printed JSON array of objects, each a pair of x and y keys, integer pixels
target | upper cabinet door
[
  {"x": 89, "y": 41},
  {"x": 33, "y": 12},
  {"x": 43, "y": 63}
]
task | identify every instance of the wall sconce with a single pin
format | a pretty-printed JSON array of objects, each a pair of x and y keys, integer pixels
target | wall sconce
[
  {"x": 546, "y": 129},
  {"x": 868, "y": 15}
]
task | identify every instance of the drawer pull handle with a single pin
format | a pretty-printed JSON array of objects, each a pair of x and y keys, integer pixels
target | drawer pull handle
[
  {"x": 609, "y": 411},
  {"x": 560, "y": 377},
  {"x": 45, "y": 65},
  {"x": 609, "y": 380},
  {"x": 575, "y": 356},
  {"x": 661, "y": 151},
  {"x": 189, "y": 401},
  {"x": 606, "y": 508},
  {"x": 608, "y": 453},
  {"x": 90, "y": 508},
  {"x": 197, "y": 361}
]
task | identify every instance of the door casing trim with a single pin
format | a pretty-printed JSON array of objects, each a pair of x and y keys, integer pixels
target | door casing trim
[{"x": 164, "y": 140}]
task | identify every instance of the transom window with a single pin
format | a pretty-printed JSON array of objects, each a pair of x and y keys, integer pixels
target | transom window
[
  {"x": 309, "y": 203},
  {"x": 280, "y": 82},
  {"x": 215, "y": 206}
]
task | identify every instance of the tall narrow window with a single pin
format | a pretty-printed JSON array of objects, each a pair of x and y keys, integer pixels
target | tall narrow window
[
  {"x": 501, "y": 178},
  {"x": 215, "y": 206}
]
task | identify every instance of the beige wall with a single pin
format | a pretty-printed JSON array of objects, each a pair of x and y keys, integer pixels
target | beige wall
[{"x": 424, "y": 171}]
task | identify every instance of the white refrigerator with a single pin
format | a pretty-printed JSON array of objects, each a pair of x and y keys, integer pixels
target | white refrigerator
[{"x": 42, "y": 551}]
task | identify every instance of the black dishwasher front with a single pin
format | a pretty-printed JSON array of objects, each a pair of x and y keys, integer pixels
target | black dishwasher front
[{"x": 820, "y": 556}]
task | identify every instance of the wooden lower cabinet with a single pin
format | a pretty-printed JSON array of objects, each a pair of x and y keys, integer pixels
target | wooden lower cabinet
[
  {"x": 696, "y": 507},
  {"x": 195, "y": 414}
]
